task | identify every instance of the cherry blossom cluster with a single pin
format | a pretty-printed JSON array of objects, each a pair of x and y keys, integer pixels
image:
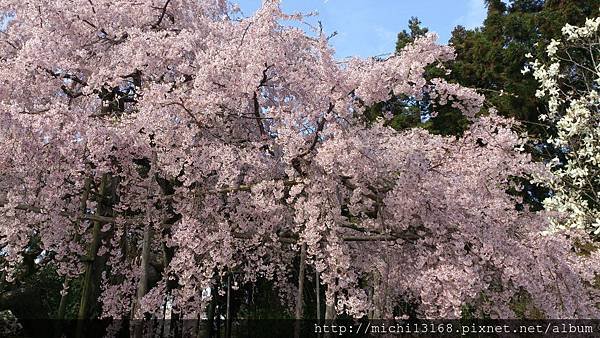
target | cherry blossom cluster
[{"x": 200, "y": 143}]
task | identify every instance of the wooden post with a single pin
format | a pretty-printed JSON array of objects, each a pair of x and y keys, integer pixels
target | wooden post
[
  {"x": 196, "y": 329},
  {"x": 143, "y": 283},
  {"x": 62, "y": 306},
  {"x": 370, "y": 295},
  {"x": 164, "y": 319},
  {"x": 228, "y": 309},
  {"x": 218, "y": 315},
  {"x": 329, "y": 315},
  {"x": 318, "y": 292}
]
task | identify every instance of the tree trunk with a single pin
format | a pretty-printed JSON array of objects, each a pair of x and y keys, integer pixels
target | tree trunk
[
  {"x": 62, "y": 306},
  {"x": 330, "y": 311},
  {"x": 211, "y": 311},
  {"x": 86, "y": 288},
  {"x": 142, "y": 288},
  {"x": 377, "y": 299},
  {"x": 301, "y": 277},
  {"x": 299, "y": 299}
]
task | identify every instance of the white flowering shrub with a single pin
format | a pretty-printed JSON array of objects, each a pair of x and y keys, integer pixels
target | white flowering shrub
[{"x": 570, "y": 80}]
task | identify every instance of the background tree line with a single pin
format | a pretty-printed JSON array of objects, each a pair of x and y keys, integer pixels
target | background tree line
[{"x": 491, "y": 58}]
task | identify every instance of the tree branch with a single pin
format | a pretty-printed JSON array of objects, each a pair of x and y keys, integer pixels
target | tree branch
[
  {"x": 261, "y": 127},
  {"x": 407, "y": 235},
  {"x": 320, "y": 126},
  {"x": 162, "y": 14},
  {"x": 189, "y": 112},
  {"x": 71, "y": 77},
  {"x": 263, "y": 81}
]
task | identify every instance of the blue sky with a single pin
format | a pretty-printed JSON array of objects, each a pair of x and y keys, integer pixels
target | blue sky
[{"x": 369, "y": 27}]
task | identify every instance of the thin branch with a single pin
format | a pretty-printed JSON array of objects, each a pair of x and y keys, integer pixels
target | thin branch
[
  {"x": 37, "y": 210},
  {"x": 246, "y": 187},
  {"x": 261, "y": 127},
  {"x": 380, "y": 238},
  {"x": 406, "y": 235},
  {"x": 162, "y": 14},
  {"x": 282, "y": 239},
  {"x": 11, "y": 44},
  {"x": 263, "y": 82},
  {"x": 88, "y": 23},
  {"x": 293, "y": 240},
  {"x": 264, "y": 79},
  {"x": 320, "y": 126},
  {"x": 244, "y": 35},
  {"x": 93, "y": 9},
  {"x": 409, "y": 235},
  {"x": 189, "y": 112},
  {"x": 71, "y": 77},
  {"x": 37, "y": 112},
  {"x": 40, "y": 15}
]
